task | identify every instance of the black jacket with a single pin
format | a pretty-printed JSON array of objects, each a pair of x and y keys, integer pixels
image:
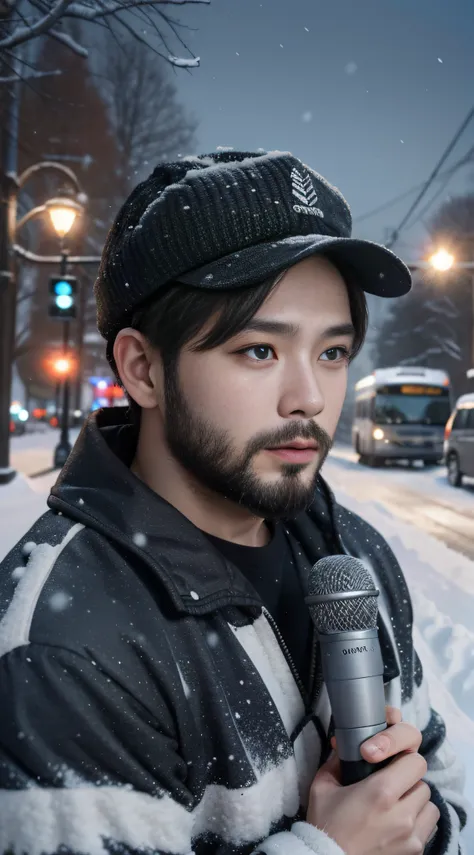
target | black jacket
[{"x": 147, "y": 703}]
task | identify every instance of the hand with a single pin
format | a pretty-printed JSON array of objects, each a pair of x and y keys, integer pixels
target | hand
[{"x": 389, "y": 813}]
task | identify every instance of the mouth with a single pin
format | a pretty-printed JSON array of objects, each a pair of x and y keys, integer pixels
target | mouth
[{"x": 298, "y": 451}]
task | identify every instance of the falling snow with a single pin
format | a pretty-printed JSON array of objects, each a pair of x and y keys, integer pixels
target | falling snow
[
  {"x": 59, "y": 601},
  {"x": 139, "y": 539},
  {"x": 212, "y": 639}
]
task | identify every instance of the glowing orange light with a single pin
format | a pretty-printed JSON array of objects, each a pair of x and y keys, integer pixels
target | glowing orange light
[{"x": 62, "y": 366}]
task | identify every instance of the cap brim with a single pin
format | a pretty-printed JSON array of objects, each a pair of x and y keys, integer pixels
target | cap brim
[{"x": 376, "y": 269}]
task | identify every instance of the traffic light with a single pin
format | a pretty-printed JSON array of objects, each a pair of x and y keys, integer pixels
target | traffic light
[{"x": 62, "y": 297}]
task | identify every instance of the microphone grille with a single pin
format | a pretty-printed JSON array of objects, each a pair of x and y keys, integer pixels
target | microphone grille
[{"x": 339, "y": 574}]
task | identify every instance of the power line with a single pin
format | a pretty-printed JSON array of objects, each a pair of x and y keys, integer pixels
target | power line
[
  {"x": 436, "y": 196},
  {"x": 391, "y": 202},
  {"x": 431, "y": 178}
]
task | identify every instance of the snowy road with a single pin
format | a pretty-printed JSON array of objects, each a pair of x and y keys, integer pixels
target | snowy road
[{"x": 419, "y": 496}]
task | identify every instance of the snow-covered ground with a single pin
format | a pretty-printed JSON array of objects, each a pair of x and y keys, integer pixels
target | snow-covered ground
[
  {"x": 441, "y": 582},
  {"x": 441, "y": 579}
]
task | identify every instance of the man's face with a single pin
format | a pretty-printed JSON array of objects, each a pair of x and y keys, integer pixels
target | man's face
[{"x": 254, "y": 418}]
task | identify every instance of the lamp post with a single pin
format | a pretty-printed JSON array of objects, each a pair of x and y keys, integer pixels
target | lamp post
[
  {"x": 62, "y": 212},
  {"x": 442, "y": 261},
  {"x": 63, "y": 217}
]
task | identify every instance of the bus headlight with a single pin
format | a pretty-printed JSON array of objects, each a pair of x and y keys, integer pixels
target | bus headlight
[{"x": 378, "y": 433}]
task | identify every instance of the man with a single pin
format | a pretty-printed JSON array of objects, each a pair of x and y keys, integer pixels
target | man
[{"x": 159, "y": 681}]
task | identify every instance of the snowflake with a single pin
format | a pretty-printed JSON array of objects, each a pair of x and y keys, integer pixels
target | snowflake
[
  {"x": 59, "y": 601},
  {"x": 351, "y": 68}
]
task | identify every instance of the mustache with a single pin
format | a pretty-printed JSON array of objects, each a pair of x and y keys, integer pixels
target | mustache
[{"x": 289, "y": 433}]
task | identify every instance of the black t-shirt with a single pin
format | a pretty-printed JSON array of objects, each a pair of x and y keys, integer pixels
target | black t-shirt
[{"x": 276, "y": 576}]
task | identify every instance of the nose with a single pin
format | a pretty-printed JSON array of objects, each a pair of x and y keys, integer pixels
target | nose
[{"x": 301, "y": 394}]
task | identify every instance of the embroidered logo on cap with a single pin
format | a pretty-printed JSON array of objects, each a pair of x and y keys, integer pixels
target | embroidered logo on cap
[{"x": 303, "y": 189}]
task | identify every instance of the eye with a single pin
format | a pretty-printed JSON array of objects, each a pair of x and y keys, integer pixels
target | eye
[
  {"x": 335, "y": 354},
  {"x": 259, "y": 352}
]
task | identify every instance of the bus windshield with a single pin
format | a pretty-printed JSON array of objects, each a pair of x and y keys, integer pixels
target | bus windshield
[{"x": 412, "y": 405}]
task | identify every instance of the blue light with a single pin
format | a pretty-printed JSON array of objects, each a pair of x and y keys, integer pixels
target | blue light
[
  {"x": 64, "y": 301},
  {"x": 63, "y": 288}
]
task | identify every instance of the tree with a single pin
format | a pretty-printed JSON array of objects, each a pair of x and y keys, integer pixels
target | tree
[
  {"x": 63, "y": 118},
  {"x": 51, "y": 18},
  {"x": 101, "y": 124},
  {"x": 148, "y": 122},
  {"x": 433, "y": 325}
]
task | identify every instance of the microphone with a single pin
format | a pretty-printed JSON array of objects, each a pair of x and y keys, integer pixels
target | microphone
[{"x": 342, "y": 600}]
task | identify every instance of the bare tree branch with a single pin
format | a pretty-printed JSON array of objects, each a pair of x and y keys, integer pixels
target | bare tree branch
[
  {"x": 179, "y": 62},
  {"x": 36, "y": 28},
  {"x": 71, "y": 43},
  {"x": 33, "y": 75},
  {"x": 52, "y": 13}
]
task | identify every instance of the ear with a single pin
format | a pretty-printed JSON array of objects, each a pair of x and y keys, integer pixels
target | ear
[{"x": 137, "y": 368}]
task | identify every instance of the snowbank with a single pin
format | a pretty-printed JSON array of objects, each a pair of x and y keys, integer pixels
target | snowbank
[{"x": 441, "y": 583}]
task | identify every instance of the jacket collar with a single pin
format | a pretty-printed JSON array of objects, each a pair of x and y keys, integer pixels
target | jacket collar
[{"x": 97, "y": 488}]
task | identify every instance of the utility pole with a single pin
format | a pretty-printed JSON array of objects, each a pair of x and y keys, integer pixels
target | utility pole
[{"x": 8, "y": 198}]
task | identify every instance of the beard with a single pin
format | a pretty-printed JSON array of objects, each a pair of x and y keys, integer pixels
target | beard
[{"x": 207, "y": 453}]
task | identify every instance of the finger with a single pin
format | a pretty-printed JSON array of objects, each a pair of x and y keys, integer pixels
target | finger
[
  {"x": 393, "y": 715},
  {"x": 426, "y": 823},
  {"x": 416, "y": 798},
  {"x": 392, "y": 741},
  {"x": 397, "y": 779}
]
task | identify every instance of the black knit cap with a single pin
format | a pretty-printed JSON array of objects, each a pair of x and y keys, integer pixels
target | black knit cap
[{"x": 229, "y": 220}]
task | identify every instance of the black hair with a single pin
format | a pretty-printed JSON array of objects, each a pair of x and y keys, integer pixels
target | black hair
[{"x": 175, "y": 317}]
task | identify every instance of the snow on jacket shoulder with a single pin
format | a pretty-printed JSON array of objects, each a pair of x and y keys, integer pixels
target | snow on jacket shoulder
[{"x": 146, "y": 703}]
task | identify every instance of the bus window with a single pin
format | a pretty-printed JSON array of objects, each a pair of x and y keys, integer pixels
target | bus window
[{"x": 397, "y": 408}]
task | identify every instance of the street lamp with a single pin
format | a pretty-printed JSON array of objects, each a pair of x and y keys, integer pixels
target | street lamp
[
  {"x": 63, "y": 213},
  {"x": 442, "y": 261},
  {"x": 62, "y": 366}
]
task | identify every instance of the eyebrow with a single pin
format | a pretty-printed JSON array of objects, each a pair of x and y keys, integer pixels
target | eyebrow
[{"x": 284, "y": 328}]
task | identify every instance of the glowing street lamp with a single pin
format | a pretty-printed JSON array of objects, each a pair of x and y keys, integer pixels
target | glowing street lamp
[
  {"x": 62, "y": 366},
  {"x": 442, "y": 260},
  {"x": 63, "y": 213}
]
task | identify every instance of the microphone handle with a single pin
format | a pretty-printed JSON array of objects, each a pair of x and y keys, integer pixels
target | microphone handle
[
  {"x": 353, "y": 669},
  {"x": 353, "y": 771}
]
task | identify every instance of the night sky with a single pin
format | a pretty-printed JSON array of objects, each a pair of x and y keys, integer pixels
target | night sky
[{"x": 368, "y": 92}]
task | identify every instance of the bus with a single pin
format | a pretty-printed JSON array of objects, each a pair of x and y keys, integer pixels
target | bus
[{"x": 400, "y": 414}]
